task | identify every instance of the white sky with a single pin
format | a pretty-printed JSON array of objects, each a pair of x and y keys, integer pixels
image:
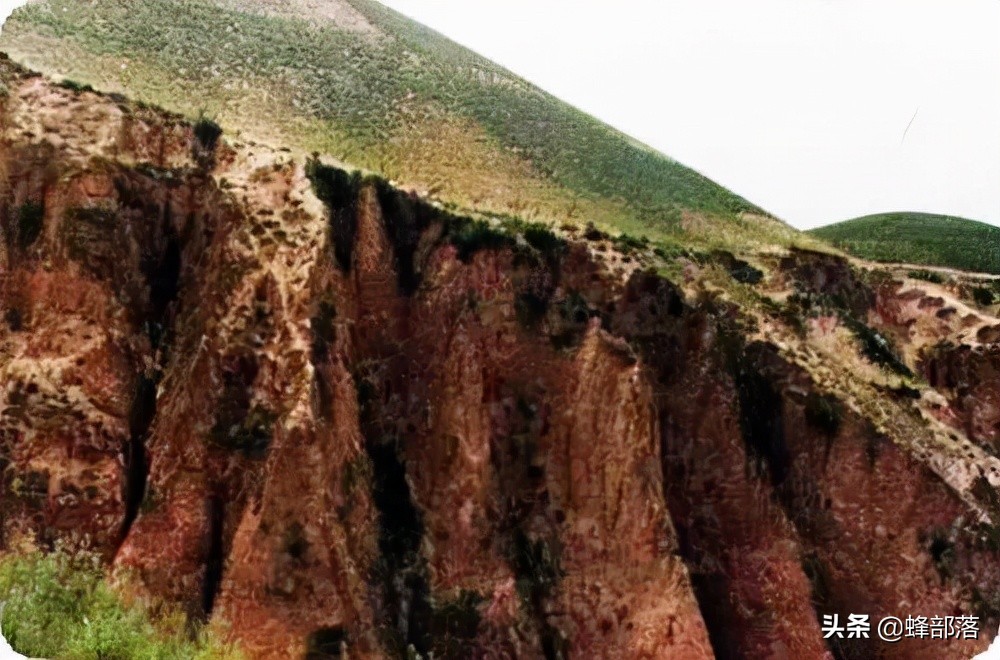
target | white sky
[{"x": 798, "y": 105}]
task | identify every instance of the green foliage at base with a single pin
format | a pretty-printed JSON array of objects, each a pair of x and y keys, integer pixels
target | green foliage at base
[
  {"x": 59, "y": 606},
  {"x": 919, "y": 238}
]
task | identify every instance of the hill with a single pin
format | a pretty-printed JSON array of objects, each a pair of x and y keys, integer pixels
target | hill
[
  {"x": 361, "y": 83},
  {"x": 299, "y": 410},
  {"x": 919, "y": 238}
]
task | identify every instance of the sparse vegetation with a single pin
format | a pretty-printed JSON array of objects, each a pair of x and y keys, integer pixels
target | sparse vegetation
[
  {"x": 876, "y": 347},
  {"x": 471, "y": 236},
  {"x": 542, "y": 239},
  {"x": 926, "y": 275},
  {"x": 919, "y": 238},
  {"x": 207, "y": 132},
  {"x": 412, "y": 107},
  {"x": 983, "y": 296},
  {"x": 58, "y": 606},
  {"x": 75, "y": 86}
]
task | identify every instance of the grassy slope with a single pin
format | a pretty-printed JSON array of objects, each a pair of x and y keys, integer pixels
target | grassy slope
[
  {"x": 919, "y": 238},
  {"x": 60, "y": 607},
  {"x": 399, "y": 99}
]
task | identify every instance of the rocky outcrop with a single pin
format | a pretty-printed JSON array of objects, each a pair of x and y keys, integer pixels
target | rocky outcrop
[{"x": 338, "y": 419}]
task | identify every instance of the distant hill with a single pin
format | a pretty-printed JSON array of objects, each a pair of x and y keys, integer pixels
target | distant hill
[
  {"x": 919, "y": 238},
  {"x": 373, "y": 89}
]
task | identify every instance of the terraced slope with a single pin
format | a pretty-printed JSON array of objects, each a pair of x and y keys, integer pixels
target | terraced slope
[
  {"x": 372, "y": 89},
  {"x": 919, "y": 238}
]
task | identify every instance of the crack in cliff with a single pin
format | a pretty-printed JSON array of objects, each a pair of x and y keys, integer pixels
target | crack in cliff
[
  {"x": 161, "y": 270},
  {"x": 136, "y": 462},
  {"x": 215, "y": 552},
  {"x": 401, "y": 570}
]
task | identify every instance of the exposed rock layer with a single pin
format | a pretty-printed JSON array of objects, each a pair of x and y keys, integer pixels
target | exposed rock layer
[{"x": 351, "y": 426}]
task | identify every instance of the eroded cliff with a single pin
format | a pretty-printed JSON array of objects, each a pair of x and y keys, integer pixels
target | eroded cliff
[{"x": 341, "y": 420}]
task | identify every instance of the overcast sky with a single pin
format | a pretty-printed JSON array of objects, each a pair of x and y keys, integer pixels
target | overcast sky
[{"x": 799, "y": 105}]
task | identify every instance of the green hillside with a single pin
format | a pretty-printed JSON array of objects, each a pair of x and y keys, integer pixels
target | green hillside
[
  {"x": 372, "y": 89},
  {"x": 919, "y": 238}
]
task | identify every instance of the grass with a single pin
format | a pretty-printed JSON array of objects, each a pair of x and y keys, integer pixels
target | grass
[
  {"x": 58, "y": 606},
  {"x": 919, "y": 238},
  {"x": 403, "y": 102}
]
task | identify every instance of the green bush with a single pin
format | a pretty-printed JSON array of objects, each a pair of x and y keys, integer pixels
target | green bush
[
  {"x": 75, "y": 86},
  {"x": 876, "y": 347},
  {"x": 983, "y": 296},
  {"x": 58, "y": 606},
  {"x": 207, "y": 132},
  {"x": 471, "y": 236},
  {"x": 927, "y": 276}
]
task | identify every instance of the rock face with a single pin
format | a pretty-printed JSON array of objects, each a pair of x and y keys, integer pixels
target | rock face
[{"x": 342, "y": 421}]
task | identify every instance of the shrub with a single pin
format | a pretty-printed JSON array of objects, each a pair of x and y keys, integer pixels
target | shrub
[
  {"x": 628, "y": 244},
  {"x": 926, "y": 275},
  {"x": 876, "y": 347},
  {"x": 983, "y": 296},
  {"x": 471, "y": 236},
  {"x": 542, "y": 239},
  {"x": 207, "y": 132},
  {"x": 59, "y": 606},
  {"x": 75, "y": 86}
]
